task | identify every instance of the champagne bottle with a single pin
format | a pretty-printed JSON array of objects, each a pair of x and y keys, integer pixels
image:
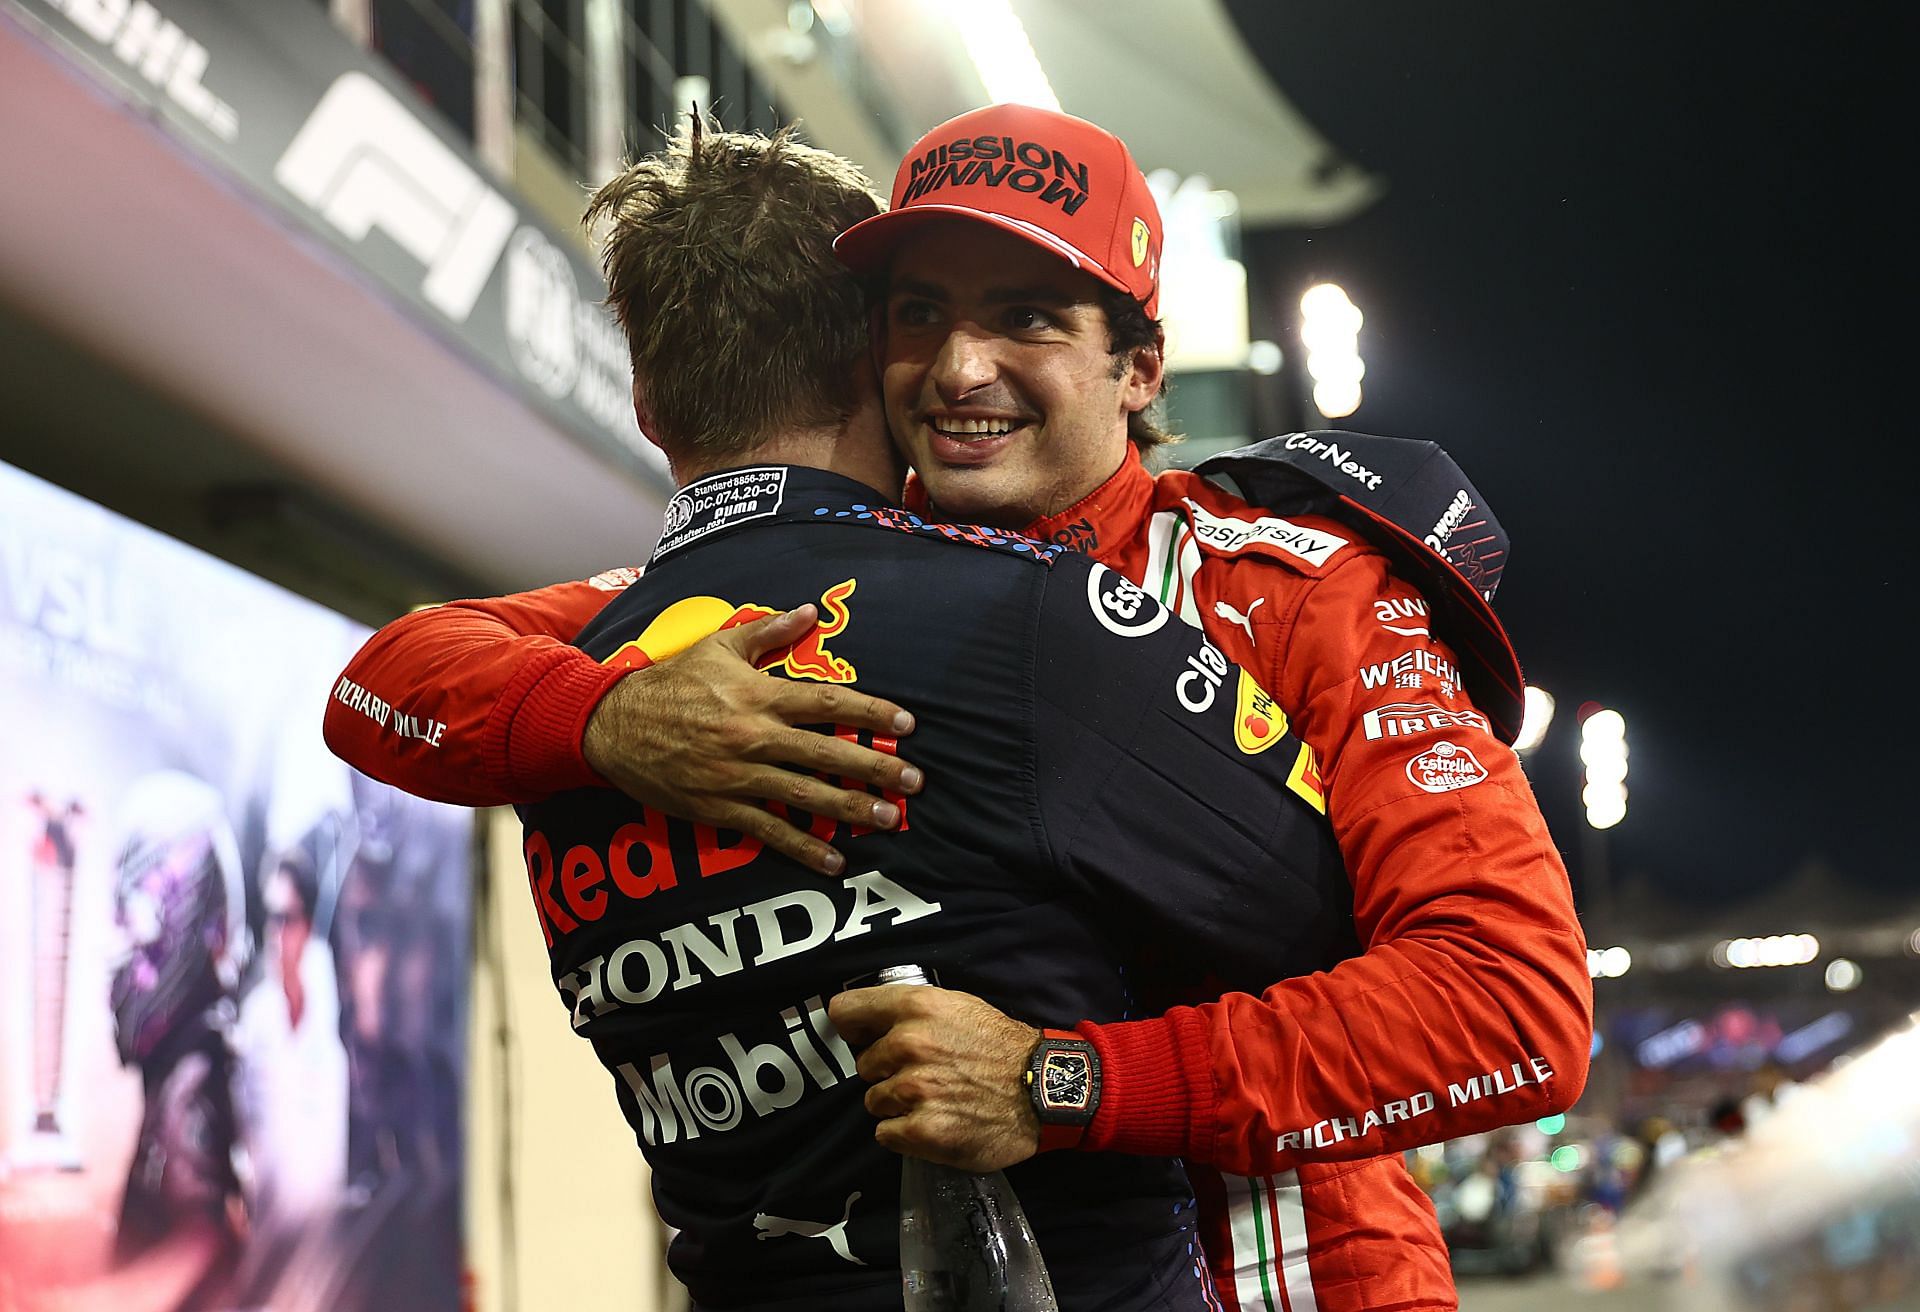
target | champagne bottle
[{"x": 965, "y": 1245}]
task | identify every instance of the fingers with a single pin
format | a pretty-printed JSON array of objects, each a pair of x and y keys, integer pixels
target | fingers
[
  {"x": 827, "y": 703},
  {"x": 819, "y": 798},
  {"x": 777, "y": 834},
  {"x": 763, "y": 637},
  {"x": 849, "y": 760},
  {"x": 864, "y": 1015}
]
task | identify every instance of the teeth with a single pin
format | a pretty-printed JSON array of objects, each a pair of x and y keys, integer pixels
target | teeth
[{"x": 973, "y": 427}]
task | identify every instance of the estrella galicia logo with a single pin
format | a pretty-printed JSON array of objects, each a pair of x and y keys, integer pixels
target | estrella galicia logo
[
  {"x": 1445, "y": 768},
  {"x": 1121, "y": 606}
]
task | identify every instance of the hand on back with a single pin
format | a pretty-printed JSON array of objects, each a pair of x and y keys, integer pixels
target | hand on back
[{"x": 706, "y": 736}]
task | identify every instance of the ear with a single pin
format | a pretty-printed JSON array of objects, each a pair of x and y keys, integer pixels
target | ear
[
  {"x": 1145, "y": 373},
  {"x": 642, "y": 413}
]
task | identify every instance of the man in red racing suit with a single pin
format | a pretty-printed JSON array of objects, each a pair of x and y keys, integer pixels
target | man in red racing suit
[{"x": 1468, "y": 1006}]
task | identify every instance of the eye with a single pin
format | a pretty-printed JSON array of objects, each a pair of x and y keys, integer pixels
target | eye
[
  {"x": 914, "y": 313},
  {"x": 1027, "y": 319}
]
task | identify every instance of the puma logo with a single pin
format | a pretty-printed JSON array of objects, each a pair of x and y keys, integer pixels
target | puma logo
[
  {"x": 1232, "y": 616},
  {"x": 772, "y": 1227}
]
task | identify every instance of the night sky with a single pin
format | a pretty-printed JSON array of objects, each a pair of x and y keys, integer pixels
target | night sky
[{"x": 1636, "y": 270}]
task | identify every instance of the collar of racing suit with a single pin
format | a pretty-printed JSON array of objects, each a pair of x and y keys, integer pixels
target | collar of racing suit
[{"x": 1112, "y": 511}]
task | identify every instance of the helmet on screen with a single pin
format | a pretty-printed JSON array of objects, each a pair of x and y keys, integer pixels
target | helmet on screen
[{"x": 180, "y": 907}]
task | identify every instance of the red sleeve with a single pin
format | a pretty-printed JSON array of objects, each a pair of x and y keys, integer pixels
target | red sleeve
[
  {"x": 1471, "y": 1005},
  {"x": 479, "y": 703}
]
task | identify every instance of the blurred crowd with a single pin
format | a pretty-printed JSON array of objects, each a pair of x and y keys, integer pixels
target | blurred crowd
[{"x": 1773, "y": 1196}]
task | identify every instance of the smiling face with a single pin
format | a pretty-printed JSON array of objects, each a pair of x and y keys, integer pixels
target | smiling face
[{"x": 1001, "y": 387}]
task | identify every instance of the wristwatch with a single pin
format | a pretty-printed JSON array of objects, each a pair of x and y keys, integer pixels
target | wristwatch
[{"x": 1063, "y": 1080}]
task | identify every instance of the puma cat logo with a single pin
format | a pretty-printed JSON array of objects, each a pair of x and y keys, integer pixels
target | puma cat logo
[
  {"x": 771, "y": 1227},
  {"x": 1232, "y": 616}
]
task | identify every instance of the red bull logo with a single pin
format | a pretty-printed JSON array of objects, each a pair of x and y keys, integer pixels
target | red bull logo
[{"x": 690, "y": 619}]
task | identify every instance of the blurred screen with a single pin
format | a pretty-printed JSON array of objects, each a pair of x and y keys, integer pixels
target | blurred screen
[{"x": 232, "y": 971}]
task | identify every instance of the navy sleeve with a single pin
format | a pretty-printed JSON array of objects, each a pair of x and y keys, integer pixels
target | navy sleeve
[{"x": 1170, "y": 787}]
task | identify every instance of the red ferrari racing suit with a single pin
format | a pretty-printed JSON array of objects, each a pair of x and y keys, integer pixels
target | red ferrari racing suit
[{"x": 1469, "y": 1008}]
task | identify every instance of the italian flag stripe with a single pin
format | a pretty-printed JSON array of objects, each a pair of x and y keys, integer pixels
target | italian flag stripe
[{"x": 1267, "y": 1226}]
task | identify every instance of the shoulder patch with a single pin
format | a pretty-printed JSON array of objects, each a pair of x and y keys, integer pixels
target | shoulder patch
[
  {"x": 1267, "y": 535},
  {"x": 616, "y": 580}
]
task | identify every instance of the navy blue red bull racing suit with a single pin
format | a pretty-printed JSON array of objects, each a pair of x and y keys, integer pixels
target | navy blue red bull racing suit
[{"x": 1102, "y": 801}]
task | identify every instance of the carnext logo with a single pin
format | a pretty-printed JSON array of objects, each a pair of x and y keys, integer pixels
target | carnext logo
[{"x": 1340, "y": 458}]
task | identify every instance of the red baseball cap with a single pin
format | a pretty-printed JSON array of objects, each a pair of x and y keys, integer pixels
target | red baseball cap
[{"x": 1062, "y": 183}]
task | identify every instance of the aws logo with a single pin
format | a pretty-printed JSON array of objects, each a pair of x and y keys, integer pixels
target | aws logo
[{"x": 690, "y": 619}]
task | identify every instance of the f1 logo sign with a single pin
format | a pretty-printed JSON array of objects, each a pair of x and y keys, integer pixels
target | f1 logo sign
[{"x": 363, "y": 161}]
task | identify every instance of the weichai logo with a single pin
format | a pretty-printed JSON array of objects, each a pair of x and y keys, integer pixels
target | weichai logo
[
  {"x": 1025, "y": 166},
  {"x": 690, "y": 619}
]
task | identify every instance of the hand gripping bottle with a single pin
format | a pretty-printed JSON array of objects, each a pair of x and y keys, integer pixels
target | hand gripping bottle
[{"x": 965, "y": 1245}]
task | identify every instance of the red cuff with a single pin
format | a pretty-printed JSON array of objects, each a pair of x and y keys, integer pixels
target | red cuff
[
  {"x": 1157, "y": 1095},
  {"x": 532, "y": 739}
]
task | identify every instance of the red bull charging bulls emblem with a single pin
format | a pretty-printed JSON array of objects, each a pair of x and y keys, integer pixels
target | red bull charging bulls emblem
[{"x": 690, "y": 619}]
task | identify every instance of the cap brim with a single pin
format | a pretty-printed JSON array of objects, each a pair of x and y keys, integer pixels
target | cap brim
[
  {"x": 1464, "y": 618},
  {"x": 869, "y": 245}
]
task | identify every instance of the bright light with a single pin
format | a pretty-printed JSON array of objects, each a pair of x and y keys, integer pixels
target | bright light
[
  {"x": 692, "y": 94},
  {"x": 997, "y": 43},
  {"x": 1330, "y": 330},
  {"x": 1568, "y": 1157},
  {"x": 1605, "y": 726},
  {"x": 1534, "y": 722},
  {"x": 1608, "y": 963},
  {"x": 1773, "y": 950},
  {"x": 1263, "y": 357},
  {"x": 1336, "y": 400},
  {"x": 1603, "y": 751},
  {"x": 1843, "y": 976},
  {"x": 1551, "y": 1124},
  {"x": 1328, "y": 304}
]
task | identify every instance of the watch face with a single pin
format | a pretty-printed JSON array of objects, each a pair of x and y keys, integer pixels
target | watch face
[{"x": 1066, "y": 1080}]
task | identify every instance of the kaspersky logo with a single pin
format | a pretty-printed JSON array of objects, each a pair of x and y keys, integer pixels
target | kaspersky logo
[
  {"x": 991, "y": 161},
  {"x": 690, "y": 619}
]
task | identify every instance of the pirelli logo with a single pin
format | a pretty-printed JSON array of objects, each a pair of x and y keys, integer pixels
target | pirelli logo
[
  {"x": 1304, "y": 779},
  {"x": 1404, "y": 718}
]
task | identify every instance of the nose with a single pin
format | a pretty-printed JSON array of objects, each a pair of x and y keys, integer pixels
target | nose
[{"x": 965, "y": 363}]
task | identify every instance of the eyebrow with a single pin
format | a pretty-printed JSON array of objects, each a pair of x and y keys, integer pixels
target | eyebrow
[{"x": 1030, "y": 295}]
